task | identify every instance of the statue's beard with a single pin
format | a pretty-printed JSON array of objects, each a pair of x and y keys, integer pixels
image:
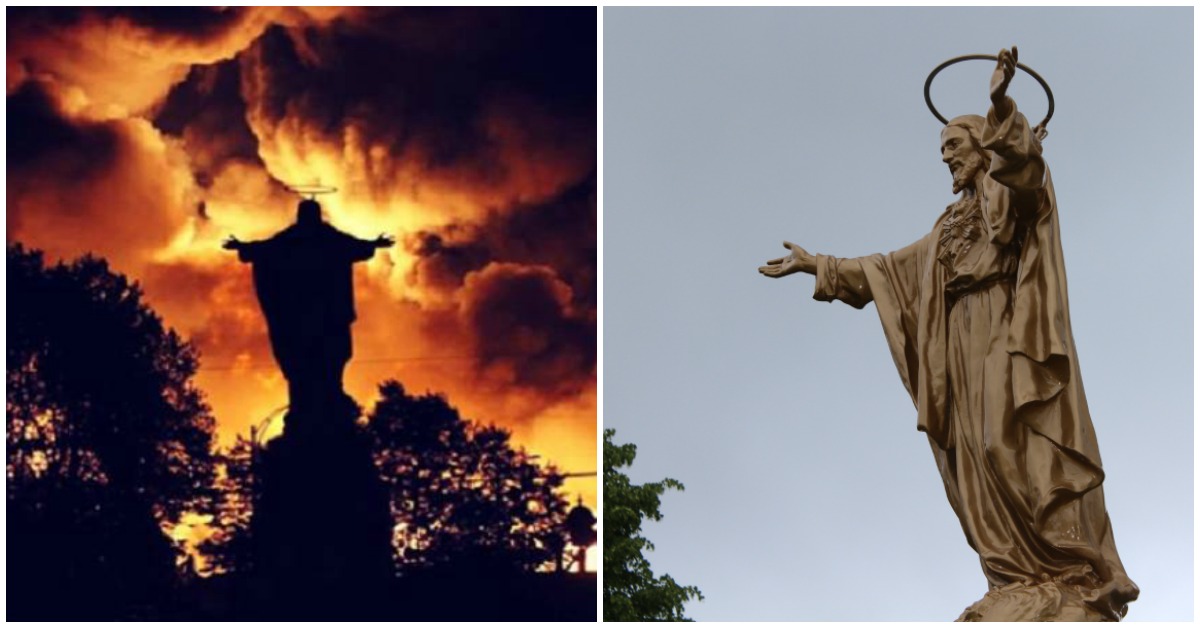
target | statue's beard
[{"x": 964, "y": 171}]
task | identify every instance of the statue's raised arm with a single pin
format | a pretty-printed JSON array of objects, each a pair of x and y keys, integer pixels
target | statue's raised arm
[{"x": 1006, "y": 68}]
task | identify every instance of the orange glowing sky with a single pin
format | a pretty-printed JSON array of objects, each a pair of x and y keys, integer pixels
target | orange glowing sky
[{"x": 148, "y": 137}]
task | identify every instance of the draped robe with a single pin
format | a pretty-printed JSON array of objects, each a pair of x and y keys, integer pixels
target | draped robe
[
  {"x": 304, "y": 282},
  {"x": 976, "y": 317}
]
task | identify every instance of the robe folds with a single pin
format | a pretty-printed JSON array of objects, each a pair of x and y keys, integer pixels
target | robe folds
[
  {"x": 976, "y": 317},
  {"x": 303, "y": 277}
]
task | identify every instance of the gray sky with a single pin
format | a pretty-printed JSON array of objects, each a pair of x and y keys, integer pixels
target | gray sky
[{"x": 810, "y": 494}]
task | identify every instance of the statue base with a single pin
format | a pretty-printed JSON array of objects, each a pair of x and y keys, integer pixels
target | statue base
[{"x": 322, "y": 525}]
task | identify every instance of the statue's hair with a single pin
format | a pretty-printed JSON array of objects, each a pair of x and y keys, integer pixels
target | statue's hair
[{"x": 974, "y": 127}]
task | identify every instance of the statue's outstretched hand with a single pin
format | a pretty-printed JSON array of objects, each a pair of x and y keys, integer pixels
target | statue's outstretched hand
[
  {"x": 232, "y": 244},
  {"x": 799, "y": 261},
  {"x": 384, "y": 241},
  {"x": 1006, "y": 67}
]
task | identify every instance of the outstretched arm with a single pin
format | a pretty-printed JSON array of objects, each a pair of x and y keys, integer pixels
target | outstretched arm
[
  {"x": 840, "y": 279},
  {"x": 798, "y": 261},
  {"x": 362, "y": 250},
  {"x": 245, "y": 250}
]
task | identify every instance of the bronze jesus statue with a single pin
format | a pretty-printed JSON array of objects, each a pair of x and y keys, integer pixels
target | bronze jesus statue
[{"x": 976, "y": 316}]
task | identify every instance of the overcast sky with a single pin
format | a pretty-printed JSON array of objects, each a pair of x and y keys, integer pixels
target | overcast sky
[{"x": 810, "y": 494}]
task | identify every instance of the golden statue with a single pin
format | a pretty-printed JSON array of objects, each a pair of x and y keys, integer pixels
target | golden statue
[{"x": 976, "y": 317}]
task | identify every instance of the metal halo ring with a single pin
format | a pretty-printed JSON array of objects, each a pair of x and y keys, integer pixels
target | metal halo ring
[
  {"x": 1022, "y": 66},
  {"x": 312, "y": 190}
]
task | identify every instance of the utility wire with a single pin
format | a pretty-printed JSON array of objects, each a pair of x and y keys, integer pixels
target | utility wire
[{"x": 389, "y": 360}]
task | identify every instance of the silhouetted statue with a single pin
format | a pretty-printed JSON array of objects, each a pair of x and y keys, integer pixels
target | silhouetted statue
[
  {"x": 320, "y": 533},
  {"x": 303, "y": 278}
]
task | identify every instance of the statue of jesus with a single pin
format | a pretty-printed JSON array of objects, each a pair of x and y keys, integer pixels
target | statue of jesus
[
  {"x": 976, "y": 316},
  {"x": 303, "y": 279}
]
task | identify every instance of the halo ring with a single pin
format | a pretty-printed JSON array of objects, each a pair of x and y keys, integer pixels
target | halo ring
[
  {"x": 311, "y": 190},
  {"x": 945, "y": 64}
]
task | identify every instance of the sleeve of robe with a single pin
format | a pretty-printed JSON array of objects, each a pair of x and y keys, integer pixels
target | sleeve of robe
[
  {"x": 260, "y": 254},
  {"x": 251, "y": 251},
  {"x": 354, "y": 249},
  {"x": 893, "y": 282}
]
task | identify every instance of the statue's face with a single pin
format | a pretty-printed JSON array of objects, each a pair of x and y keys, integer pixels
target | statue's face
[{"x": 961, "y": 156}]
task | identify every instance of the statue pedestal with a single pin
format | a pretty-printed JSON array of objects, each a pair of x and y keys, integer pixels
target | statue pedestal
[{"x": 322, "y": 525}]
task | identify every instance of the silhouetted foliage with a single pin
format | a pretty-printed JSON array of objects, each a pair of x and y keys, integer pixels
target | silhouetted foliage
[
  {"x": 228, "y": 549},
  {"x": 108, "y": 441},
  {"x": 463, "y": 498},
  {"x": 631, "y": 590}
]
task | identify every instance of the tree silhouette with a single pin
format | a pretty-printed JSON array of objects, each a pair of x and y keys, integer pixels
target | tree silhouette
[
  {"x": 108, "y": 440},
  {"x": 228, "y": 548},
  {"x": 463, "y": 498},
  {"x": 631, "y": 590}
]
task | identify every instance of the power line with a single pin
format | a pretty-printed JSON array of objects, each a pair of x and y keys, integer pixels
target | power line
[
  {"x": 261, "y": 365},
  {"x": 258, "y": 431},
  {"x": 388, "y": 360}
]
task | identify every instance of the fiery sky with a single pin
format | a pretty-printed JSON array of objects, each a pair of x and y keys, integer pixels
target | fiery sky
[{"x": 147, "y": 136}]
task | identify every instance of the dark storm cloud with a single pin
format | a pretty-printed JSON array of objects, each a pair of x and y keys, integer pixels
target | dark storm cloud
[
  {"x": 422, "y": 80},
  {"x": 560, "y": 233},
  {"x": 97, "y": 186},
  {"x": 526, "y": 332},
  {"x": 526, "y": 282},
  {"x": 193, "y": 22},
  {"x": 208, "y": 112},
  {"x": 37, "y": 133}
]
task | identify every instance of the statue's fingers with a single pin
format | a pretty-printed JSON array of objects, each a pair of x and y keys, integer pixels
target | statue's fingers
[
  {"x": 790, "y": 245},
  {"x": 775, "y": 262},
  {"x": 1014, "y": 53}
]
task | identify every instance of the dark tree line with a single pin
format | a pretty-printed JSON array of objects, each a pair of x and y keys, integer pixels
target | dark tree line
[
  {"x": 463, "y": 498},
  {"x": 109, "y": 443},
  {"x": 461, "y": 493}
]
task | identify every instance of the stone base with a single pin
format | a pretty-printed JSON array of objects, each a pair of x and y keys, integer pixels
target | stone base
[{"x": 322, "y": 518}]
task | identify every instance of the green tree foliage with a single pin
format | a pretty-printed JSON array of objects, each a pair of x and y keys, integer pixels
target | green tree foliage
[
  {"x": 463, "y": 497},
  {"x": 108, "y": 439},
  {"x": 631, "y": 590}
]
